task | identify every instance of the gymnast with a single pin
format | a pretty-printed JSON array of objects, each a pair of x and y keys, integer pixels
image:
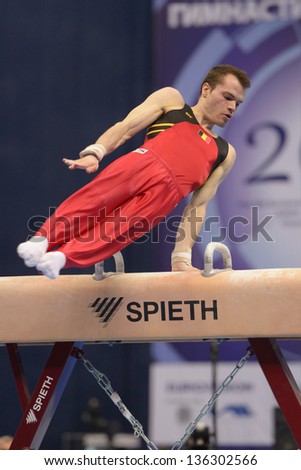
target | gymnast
[{"x": 181, "y": 154}]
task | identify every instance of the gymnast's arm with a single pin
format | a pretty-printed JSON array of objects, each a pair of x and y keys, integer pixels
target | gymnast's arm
[
  {"x": 139, "y": 118},
  {"x": 194, "y": 215}
]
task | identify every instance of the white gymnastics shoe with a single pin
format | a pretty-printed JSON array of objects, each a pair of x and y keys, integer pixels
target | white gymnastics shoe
[
  {"x": 32, "y": 250},
  {"x": 51, "y": 263}
]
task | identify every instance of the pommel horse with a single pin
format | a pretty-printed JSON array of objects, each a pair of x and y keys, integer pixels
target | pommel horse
[{"x": 261, "y": 306}]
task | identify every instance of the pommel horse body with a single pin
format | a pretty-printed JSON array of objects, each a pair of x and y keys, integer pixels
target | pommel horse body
[
  {"x": 183, "y": 306},
  {"x": 261, "y": 306}
]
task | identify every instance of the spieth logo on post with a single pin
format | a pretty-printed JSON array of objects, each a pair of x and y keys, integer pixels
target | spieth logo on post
[
  {"x": 31, "y": 416},
  {"x": 166, "y": 310}
]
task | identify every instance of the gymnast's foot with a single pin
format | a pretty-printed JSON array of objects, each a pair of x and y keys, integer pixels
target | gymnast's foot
[
  {"x": 32, "y": 250},
  {"x": 51, "y": 263}
]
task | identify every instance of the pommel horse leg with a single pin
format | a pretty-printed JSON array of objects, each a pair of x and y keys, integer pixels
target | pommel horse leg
[
  {"x": 281, "y": 381},
  {"x": 270, "y": 358},
  {"x": 46, "y": 396},
  {"x": 18, "y": 371}
]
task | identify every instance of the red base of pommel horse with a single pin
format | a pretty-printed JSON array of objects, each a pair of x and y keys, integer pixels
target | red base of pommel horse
[{"x": 261, "y": 306}]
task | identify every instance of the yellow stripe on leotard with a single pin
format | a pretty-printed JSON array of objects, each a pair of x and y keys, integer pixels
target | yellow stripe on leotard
[{"x": 163, "y": 126}]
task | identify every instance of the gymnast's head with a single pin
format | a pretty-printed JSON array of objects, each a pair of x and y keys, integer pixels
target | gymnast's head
[
  {"x": 218, "y": 73},
  {"x": 222, "y": 91}
]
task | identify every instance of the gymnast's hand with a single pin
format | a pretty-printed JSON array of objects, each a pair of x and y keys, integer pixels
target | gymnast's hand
[
  {"x": 182, "y": 266},
  {"x": 89, "y": 164}
]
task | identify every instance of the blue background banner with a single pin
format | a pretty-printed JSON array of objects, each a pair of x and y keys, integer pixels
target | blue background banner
[{"x": 257, "y": 210}]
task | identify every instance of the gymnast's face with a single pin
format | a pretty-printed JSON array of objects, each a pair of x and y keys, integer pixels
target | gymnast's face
[{"x": 220, "y": 103}]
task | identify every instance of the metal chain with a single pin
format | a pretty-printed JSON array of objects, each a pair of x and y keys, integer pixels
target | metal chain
[
  {"x": 191, "y": 427},
  {"x": 105, "y": 384}
]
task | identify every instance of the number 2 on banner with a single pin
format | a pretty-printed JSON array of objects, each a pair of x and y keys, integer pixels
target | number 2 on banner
[{"x": 258, "y": 175}]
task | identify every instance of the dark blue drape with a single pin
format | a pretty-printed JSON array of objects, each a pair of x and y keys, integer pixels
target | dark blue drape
[{"x": 69, "y": 70}]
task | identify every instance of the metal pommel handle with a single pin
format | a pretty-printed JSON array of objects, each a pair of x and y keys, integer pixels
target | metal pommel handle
[
  {"x": 208, "y": 258},
  {"x": 100, "y": 273}
]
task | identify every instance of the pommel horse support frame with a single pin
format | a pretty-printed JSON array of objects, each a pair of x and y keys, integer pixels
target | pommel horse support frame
[{"x": 261, "y": 306}]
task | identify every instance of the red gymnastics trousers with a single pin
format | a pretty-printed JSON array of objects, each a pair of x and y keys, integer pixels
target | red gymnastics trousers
[{"x": 124, "y": 201}]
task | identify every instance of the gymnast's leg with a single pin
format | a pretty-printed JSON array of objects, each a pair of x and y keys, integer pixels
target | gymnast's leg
[
  {"x": 113, "y": 233},
  {"x": 76, "y": 234},
  {"x": 79, "y": 212}
]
